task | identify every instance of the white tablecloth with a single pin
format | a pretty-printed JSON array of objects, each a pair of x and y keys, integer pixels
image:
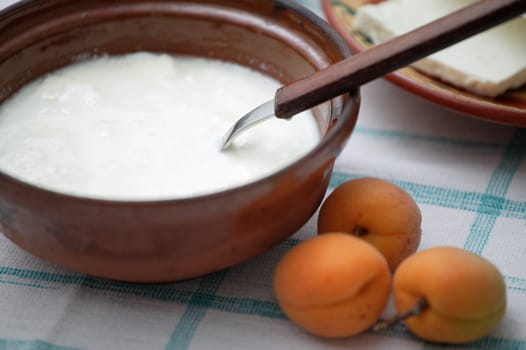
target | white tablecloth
[{"x": 468, "y": 177}]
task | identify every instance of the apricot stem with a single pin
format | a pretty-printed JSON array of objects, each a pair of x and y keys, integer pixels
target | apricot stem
[
  {"x": 417, "y": 309},
  {"x": 359, "y": 231}
]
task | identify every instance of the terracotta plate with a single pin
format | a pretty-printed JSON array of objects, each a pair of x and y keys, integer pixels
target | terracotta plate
[{"x": 509, "y": 108}]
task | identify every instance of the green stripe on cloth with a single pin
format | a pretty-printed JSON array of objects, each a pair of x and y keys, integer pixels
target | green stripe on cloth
[
  {"x": 496, "y": 190},
  {"x": 206, "y": 298},
  {"x": 172, "y": 294},
  {"x": 157, "y": 292},
  {"x": 515, "y": 283},
  {"x": 9, "y": 344},
  {"x": 407, "y": 136},
  {"x": 198, "y": 305},
  {"x": 451, "y": 198},
  {"x": 33, "y": 285},
  {"x": 484, "y": 343},
  {"x": 197, "y": 298}
]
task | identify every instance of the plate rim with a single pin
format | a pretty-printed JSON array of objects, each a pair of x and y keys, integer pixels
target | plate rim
[{"x": 501, "y": 114}]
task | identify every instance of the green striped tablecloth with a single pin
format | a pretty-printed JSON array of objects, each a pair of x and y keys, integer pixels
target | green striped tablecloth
[{"x": 468, "y": 176}]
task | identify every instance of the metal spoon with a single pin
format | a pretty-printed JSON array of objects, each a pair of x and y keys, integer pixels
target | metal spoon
[{"x": 382, "y": 59}]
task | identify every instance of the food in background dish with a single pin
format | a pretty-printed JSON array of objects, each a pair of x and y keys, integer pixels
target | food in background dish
[{"x": 488, "y": 64}]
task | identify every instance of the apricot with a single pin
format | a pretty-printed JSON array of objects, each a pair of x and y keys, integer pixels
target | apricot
[
  {"x": 377, "y": 211},
  {"x": 461, "y": 294},
  {"x": 333, "y": 285}
]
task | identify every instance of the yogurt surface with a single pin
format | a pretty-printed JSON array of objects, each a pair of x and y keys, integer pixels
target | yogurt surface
[{"x": 145, "y": 126}]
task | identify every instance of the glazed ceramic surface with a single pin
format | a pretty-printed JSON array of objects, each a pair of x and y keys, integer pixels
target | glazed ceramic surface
[{"x": 153, "y": 241}]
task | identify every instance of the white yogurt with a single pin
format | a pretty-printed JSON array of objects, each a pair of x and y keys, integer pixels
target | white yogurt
[{"x": 145, "y": 126}]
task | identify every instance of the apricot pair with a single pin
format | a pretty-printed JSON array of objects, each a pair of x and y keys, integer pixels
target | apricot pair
[{"x": 337, "y": 285}]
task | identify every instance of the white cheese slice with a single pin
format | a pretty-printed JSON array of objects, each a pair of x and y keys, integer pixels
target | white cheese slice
[{"x": 487, "y": 64}]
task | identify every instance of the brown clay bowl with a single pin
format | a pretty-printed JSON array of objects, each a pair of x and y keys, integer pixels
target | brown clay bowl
[{"x": 169, "y": 240}]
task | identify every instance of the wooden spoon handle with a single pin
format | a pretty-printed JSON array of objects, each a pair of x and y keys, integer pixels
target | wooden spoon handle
[{"x": 385, "y": 58}]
